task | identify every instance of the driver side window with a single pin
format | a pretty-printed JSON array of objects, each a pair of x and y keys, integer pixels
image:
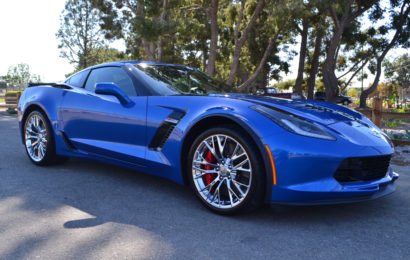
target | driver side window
[{"x": 114, "y": 75}]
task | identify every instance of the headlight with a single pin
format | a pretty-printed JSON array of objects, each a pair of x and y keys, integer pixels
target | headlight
[{"x": 293, "y": 123}]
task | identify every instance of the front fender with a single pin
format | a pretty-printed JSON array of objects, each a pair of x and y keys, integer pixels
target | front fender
[{"x": 253, "y": 132}]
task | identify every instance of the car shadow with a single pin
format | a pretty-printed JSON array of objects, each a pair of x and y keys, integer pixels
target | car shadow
[
  {"x": 167, "y": 212},
  {"x": 115, "y": 194}
]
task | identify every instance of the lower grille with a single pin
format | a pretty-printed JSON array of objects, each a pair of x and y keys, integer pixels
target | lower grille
[{"x": 363, "y": 168}]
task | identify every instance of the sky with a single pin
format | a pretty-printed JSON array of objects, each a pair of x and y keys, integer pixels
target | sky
[{"x": 28, "y": 29}]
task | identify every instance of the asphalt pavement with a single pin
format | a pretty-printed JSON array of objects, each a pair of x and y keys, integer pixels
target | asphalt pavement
[{"x": 86, "y": 209}]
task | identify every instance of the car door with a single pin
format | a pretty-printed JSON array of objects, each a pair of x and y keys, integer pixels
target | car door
[{"x": 100, "y": 124}]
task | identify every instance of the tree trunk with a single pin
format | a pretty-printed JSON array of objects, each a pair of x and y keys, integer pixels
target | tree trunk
[
  {"x": 204, "y": 58},
  {"x": 265, "y": 74},
  {"x": 160, "y": 40},
  {"x": 329, "y": 66},
  {"x": 302, "y": 56},
  {"x": 315, "y": 64},
  {"x": 245, "y": 85},
  {"x": 241, "y": 41},
  {"x": 213, "y": 47}
]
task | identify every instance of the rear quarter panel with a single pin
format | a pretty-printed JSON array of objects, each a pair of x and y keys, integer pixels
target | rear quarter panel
[{"x": 48, "y": 99}]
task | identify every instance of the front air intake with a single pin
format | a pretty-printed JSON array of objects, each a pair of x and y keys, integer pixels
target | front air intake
[{"x": 363, "y": 168}]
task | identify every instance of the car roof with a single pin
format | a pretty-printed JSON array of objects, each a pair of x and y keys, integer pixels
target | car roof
[{"x": 120, "y": 63}]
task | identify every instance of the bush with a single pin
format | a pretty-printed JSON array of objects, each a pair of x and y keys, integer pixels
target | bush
[{"x": 11, "y": 111}]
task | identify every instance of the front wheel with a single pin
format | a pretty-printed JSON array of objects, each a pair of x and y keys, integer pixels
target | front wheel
[{"x": 226, "y": 171}]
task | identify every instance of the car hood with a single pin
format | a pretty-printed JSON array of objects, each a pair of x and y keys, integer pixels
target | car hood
[
  {"x": 317, "y": 111},
  {"x": 348, "y": 124}
]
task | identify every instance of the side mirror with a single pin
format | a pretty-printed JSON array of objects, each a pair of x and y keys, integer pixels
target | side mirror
[{"x": 111, "y": 89}]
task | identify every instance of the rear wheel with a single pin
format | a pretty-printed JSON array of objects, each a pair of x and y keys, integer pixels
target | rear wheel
[
  {"x": 226, "y": 173},
  {"x": 39, "y": 140}
]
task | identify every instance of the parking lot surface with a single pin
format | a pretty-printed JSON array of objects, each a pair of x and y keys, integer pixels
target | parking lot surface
[{"x": 86, "y": 209}]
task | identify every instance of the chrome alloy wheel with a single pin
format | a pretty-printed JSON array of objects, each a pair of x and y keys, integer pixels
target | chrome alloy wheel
[
  {"x": 36, "y": 137},
  {"x": 222, "y": 171}
]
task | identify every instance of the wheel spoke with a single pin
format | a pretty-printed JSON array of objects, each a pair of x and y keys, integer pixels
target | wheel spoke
[
  {"x": 239, "y": 165},
  {"x": 210, "y": 185},
  {"x": 243, "y": 169},
  {"x": 212, "y": 150},
  {"x": 238, "y": 188},
  {"x": 241, "y": 184},
  {"x": 228, "y": 185},
  {"x": 204, "y": 171},
  {"x": 206, "y": 163},
  {"x": 221, "y": 146},
  {"x": 217, "y": 190}
]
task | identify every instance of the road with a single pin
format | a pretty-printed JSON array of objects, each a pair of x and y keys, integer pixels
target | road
[{"x": 85, "y": 209}]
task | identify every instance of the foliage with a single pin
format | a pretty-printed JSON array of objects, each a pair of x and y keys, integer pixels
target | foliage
[
  {"x": 394, "y": 135},
  {"x": 398, "y": 71},
  {"x": 401, "y": 110},
  {"x": 392, "y": 123},
  {"x": 352, "y": 92},
  {"x": 386, "y": 90},
  {"x": 247, "y": 42},
  {"x": 20, "y": 74},
  {"x": 80, "y": 35},
  {"x": 11, "y": 111}
]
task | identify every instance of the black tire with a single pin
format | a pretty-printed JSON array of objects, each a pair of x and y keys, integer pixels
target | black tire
[
  {"x": 50, "y": 157},
  {"x": 256, "y": 192}
]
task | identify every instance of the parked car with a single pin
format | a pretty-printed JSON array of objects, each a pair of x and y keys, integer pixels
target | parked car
[
  {"x": 273, "y": 92},
  {"x": 321, "y": 95},
  {"x": 236, "y": 151}
]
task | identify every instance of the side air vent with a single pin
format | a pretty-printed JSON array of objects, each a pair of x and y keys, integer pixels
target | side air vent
[
  {"x": 165, "y": 130},
  {"x": 67, "y": 141}
]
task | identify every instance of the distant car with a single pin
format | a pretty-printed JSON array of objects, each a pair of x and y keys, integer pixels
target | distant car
[
  {"x": 235, "y": 150},
  {"x": 273, "y": 92},
  {"x": 321, "y": 95}
]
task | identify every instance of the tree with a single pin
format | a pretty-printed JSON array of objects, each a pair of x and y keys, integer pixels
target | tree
[
  {"x": 80, "y": 35},
  {"x": 19, "y": 75},
  {"x": 103, "y": 55},
  {"x": 137, "y": 21},
  {"x": 400, "y": 25},
  {"x": 276, "y": 17},
  {"x": 241, "y": 36},
  {"x": 343, "y": 13},
  {"x": 398, "y": 71}
]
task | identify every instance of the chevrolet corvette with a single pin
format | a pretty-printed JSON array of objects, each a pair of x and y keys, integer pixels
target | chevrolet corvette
[{"x": 236, "y": 151}]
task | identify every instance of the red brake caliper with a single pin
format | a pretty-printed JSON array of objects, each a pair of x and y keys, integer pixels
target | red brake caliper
[{"x": 209, "y": 177}]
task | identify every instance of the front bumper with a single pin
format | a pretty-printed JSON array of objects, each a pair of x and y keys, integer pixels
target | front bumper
[
  {"x": 305, "y": 170},
  {"x": 331, "y": 192}
]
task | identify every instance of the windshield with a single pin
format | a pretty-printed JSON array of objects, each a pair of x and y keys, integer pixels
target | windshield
[{"x": 177, "y": 80}]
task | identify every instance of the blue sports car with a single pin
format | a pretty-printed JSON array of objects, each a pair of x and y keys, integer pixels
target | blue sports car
[{"x": 236, "y": 151}]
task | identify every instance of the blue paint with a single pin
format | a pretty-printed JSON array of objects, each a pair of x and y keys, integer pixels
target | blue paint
[{"x": 109, "y": 126}]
